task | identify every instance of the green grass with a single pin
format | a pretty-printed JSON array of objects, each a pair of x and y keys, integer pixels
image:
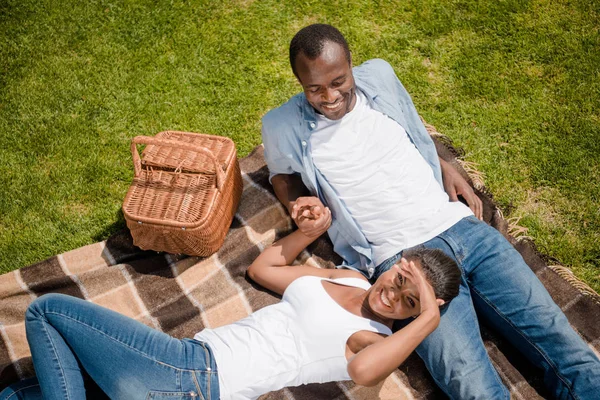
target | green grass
[{"x": 516, "y": 84}]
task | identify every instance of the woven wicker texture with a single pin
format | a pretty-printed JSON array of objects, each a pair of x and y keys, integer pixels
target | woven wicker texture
[
  {"x": 182, "y": 295},
  {"x": 184, "y": 193}
]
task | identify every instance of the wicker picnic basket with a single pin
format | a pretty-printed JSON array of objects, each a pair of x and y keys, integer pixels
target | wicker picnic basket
[{"x": 185, "y": 192}]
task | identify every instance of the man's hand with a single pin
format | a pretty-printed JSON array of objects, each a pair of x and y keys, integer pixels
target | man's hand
[
  {"x": 455, "y": 185},
  {"x": 311, "y": 216}
]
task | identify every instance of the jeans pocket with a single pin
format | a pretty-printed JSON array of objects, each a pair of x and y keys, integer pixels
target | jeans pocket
[
  {"x": 472, "y": 220},
  {"x": 160, "y": 395}
]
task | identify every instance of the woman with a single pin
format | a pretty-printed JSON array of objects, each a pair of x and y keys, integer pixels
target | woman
[{"x": 330, "y": 325}]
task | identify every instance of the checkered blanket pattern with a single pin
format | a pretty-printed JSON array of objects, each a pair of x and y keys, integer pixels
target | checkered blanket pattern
[{"x": 181, "y": 295}]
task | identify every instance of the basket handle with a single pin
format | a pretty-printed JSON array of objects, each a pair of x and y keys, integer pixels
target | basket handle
[{"x": 137, "y": 162}]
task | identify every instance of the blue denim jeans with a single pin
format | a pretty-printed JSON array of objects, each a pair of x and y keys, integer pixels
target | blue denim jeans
[
  {"x": 498, "y": 287},
  {"x": 72, "y": 339}
]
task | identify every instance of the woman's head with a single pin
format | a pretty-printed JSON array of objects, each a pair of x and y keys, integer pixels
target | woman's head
[
  {"x": 441, "y": 271},
  {"x": 393, "y": 296}
]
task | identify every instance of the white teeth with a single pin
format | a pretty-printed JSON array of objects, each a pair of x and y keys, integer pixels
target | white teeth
[
  {"x": 385, "y": 300},
  {"x": 333, "y": 107}
]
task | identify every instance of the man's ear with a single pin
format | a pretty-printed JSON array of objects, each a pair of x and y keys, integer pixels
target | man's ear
[{"x": 440, "y": 302}]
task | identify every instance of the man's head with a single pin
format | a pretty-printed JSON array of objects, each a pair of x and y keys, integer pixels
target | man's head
[
  {"x": 321, "y": 61},
  {"x": 311, "y": 39}
]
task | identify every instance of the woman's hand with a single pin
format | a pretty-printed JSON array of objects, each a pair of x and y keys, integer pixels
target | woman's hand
[
  {"x": 429, "y": 304},
  {"x": 311, "y": 216},
  {"x": 273, "y": 267},
  {"x": 377, "y": 361}
]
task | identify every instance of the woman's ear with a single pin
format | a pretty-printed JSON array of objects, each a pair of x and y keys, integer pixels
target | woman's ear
[{"x": 440, "y": 302}]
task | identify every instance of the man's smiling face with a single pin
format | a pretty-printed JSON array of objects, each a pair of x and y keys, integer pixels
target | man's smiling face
[{"x": 327, "y": 81}]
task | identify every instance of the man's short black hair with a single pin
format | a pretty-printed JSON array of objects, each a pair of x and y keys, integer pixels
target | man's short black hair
[{"x": 311, "y": 39}]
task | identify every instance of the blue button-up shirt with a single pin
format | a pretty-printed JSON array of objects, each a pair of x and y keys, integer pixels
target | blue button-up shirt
[{"x": 286, "y": 134}]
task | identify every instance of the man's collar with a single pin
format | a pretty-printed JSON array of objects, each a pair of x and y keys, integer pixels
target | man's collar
[
  {"x": 364, "y": 86},
  {"x": 308, "y": 112}
]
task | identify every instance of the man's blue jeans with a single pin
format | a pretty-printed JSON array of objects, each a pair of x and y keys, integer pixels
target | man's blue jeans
[
  {"x": 502, "y": 289},
  {"x": 125, "y": 358}
]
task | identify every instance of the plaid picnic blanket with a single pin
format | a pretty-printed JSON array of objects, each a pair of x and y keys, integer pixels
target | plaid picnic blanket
[{"x": 181, "y": 295}]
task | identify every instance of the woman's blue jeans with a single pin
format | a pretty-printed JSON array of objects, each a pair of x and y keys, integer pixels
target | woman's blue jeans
[
  {"x": 72, "y": 340},
  {"x": 503, "y": 290}
]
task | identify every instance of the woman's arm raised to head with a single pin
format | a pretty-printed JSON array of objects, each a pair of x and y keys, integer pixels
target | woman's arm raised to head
[
  {"x": 272, "y": 269},
  {"x": 377, "y": 361}
]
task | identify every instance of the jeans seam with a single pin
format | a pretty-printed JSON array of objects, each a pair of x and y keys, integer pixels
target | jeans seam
[
  {"x": 118, "y": 341},
  {"x": 445, "y": 388},
  {"x": 62, "y": 372},
  {"x": 542, "y": 353},
  {"x": 209, "y": 376},
  {"x": 496, "y": 377},
  {"x": 197, "y": 384},
  {"x": 458, "y": 255}
]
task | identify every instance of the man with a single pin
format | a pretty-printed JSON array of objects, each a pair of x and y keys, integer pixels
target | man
[{"x": 354, "y": 139}]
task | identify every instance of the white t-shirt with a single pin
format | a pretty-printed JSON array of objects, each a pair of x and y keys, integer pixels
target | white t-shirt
[
  {"x": 302, "y": 339},
  {"x": 382, "y": 179}
]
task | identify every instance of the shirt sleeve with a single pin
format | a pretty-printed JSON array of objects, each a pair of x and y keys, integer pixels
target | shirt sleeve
[{"x": 276, "y": 161}]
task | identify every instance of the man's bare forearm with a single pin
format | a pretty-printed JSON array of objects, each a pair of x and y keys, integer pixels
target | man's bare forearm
[{"x": 288, "y": 188}]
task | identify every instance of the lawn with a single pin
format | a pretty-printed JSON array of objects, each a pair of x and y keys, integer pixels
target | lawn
[{"x": 516, "y": 84}]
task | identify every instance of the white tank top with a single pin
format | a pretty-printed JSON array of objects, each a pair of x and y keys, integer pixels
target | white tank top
[
  {"x": 302, "y": 339},
  {"x": 382, "y": 179}
]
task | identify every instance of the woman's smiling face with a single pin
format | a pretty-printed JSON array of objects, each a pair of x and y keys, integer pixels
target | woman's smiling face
[{"x": 394, "y": 296}]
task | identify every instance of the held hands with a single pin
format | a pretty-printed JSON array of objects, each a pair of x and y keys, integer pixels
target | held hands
[
  {"x": 455, "y": 185},
  {"x": 311, "y": 216}
]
